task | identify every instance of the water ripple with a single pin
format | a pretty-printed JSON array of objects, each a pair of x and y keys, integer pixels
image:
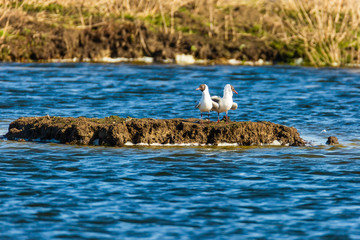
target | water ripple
[{"x": 52, "y": 191}]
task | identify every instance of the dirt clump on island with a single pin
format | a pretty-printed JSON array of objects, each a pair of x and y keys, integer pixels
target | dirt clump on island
[
  {"x": 332, "y": 140},
  {"x": 116, "y": 131}
]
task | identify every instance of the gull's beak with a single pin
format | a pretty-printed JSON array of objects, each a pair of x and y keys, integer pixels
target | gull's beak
[
  {"x": 197, "y": 89},
  {"x": 235, "y": 91}
]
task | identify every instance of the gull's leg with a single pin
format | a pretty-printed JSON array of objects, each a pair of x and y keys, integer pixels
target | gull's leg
[
  {"x": 209, "y": 116},
  {"x": 218, "y": 118}
]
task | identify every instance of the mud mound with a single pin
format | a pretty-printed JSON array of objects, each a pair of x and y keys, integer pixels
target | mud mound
[
  {"x": 332, "y": 140},
  {"x": 115, "y": 131}
]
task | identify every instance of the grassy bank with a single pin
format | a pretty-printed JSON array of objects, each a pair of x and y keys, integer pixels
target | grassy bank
[{"x": 316, "y": 33}]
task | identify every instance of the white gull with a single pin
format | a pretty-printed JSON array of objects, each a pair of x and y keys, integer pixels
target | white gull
[
  {"x": 225, "y": 103},
  {"x": 205, "y": 104}
]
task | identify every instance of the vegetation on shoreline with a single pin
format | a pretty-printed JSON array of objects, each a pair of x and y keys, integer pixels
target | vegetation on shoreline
[{"x": 319, "y": 33}]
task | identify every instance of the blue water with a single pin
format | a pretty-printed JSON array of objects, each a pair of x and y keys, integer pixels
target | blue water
[{"x": 53, "y": 191}]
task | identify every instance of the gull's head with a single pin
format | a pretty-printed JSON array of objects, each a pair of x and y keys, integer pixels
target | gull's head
[
  {"x": 202, "y": 87},
  {"x": 233, "y": 89},
  {"x": 229, "y": 88}
]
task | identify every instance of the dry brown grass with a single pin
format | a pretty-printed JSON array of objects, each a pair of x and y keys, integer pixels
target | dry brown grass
[
  {"x": 208, "y": 10},
  {"x": 328, "y": 29}
]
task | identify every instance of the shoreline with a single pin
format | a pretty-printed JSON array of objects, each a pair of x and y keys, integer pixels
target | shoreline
[
  {"x": 189, "y": 32},
  {"x": 187, "y": 60},
  {"x": 197, "y": 62},
  {"x": 239, "y": 34}
]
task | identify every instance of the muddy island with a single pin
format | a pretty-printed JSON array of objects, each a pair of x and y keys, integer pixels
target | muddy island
[{"x": 116, "y": 131}]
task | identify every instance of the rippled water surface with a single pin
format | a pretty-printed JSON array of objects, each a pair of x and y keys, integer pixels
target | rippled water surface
[{"x": 53, "y": 191}]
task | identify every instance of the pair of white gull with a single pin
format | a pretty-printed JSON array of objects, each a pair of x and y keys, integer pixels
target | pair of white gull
[{"x": 215, "y": 103}]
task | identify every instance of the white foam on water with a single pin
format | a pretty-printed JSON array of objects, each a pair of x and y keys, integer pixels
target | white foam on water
[
  {"x": 3, "y": 131},
  {"x": 184, "y": 59},
  {"x": 165, "y": 144},
  {"x": 4, "y": 126},
  {"x": 315, "y": 140},
  {"x": 129, "y": 144},
  {"x": 96, "y": 142},
  {"x": 142, "y": 144},
  {"x": 225, "y": 144},
  {"x": 275, "y": 143},
  {"x": 157, "y": 144},
  {"x": 114, "y": 60},
  {"x": 222, "y": 144}
]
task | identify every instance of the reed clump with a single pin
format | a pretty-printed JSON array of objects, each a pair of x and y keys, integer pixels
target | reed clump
[
  {"x": 321, "y": 32},
  {"x": 328, "y": 30}
]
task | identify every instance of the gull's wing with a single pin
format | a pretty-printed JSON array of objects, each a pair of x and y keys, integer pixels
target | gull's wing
[
  {"x": 234, "y": 106},
  {"x": 215, "y": 106},
  {"x": 215, "y": 103},
  {"x": 197, "y": 104},
  {"x": 216, "y": 99}
]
